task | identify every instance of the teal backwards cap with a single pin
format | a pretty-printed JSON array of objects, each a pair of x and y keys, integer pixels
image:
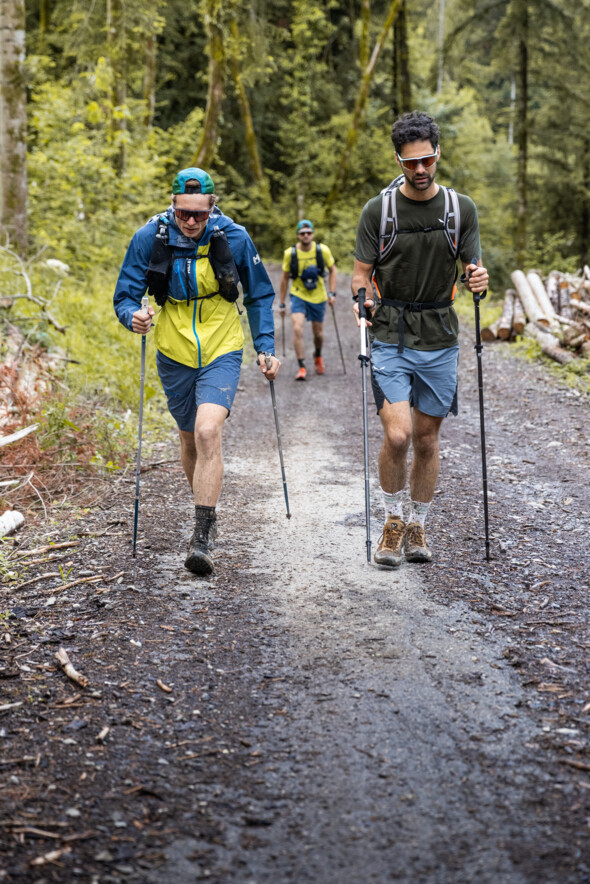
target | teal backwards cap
[
  {"x": 205, "y": 182},
  {"x": 303, "y": 224}
]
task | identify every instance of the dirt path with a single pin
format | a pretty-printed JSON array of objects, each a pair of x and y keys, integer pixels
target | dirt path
[{"x": 317, "y": 719}]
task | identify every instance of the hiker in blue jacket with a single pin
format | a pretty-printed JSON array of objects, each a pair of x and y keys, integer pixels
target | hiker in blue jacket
[{"x": 191, "y": 258}]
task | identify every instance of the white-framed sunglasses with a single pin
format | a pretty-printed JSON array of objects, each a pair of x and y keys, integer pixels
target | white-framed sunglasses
[{"x": 411, "y": 163}]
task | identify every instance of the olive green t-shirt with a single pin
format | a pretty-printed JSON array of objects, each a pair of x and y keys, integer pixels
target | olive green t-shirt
[{"x": 419, "y": 268}]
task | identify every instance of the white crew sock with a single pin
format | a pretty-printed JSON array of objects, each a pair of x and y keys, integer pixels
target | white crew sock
[
  {"x": 393, "y": 504},
  {"x": 418, "y": 511}
]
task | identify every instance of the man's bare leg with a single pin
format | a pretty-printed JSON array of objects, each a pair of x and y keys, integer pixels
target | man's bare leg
[
  {"x": 424, "y": 471},
  {"x": 201, "y": 457},
  {"x": 396, "y": 418},
  {"x": 298, "y": 326}
]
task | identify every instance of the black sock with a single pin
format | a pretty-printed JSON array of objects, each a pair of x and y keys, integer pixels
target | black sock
[
  {"x": 301, "y": 363},
  {"x": 317, "y": 353}
]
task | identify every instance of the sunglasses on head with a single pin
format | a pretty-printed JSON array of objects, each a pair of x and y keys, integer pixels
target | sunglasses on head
[
  {"x": 185, "y": 214},
  {"x": 412, "y": 163}
]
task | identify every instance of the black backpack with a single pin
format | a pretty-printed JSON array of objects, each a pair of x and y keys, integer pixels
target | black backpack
[
  {"x": 310, "y": 275},
  {"x": 162, "y": 257}
]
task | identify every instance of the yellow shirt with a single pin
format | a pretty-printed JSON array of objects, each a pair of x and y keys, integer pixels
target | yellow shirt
[{"x": 306, "y": 259}]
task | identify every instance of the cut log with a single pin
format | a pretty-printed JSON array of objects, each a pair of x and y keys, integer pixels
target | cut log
[
  {"x": 549, "y": 344},
  {"x": 536, "y": 284},
  {"x": 518, "y": 317},
  {"x": 575, "y": 304},
  {"x": 574, "y": 335},
  {"x": 506, "y": 319},
  {"x": 527, "y": 298},
  {"x": 585, "y": 350},
  {"x": 490, "y": 332}
]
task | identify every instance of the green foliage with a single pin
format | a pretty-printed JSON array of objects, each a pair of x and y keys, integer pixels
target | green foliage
[{"x": 96, "y": 171}]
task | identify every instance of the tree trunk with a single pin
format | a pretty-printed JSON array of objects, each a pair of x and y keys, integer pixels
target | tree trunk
[
  {"x": 360, "y": 106},
  {"x": 404, "y": 60},
  {"x": 522, "y": 131},
  {"x": 117, "y": 59},
  {"x": 401, "y": 90},
  {"x": 205, "y": 152},
  {"x": 441, "y": 44},
  {"x": 364, "y": 41},
  {"x": 249, "y": 133},
  {"x": 13, "y": 123},
  {"x": 149, "y": 81}
]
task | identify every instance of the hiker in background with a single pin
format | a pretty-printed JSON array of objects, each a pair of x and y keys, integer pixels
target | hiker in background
[
  {"x": 408, "y": 241},
  {"x": 306, "y": 265},
  {"x": 191, "y": 259}
]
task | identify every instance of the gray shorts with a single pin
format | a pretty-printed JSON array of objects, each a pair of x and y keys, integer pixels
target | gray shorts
[{"x": 427, "y": 379}]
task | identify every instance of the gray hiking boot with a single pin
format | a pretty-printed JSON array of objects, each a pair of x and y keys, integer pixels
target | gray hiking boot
[
  {"x": 415, "y": 546},
  {"x": 200, "y": 546},
  {"x": 389, "y": 551}
]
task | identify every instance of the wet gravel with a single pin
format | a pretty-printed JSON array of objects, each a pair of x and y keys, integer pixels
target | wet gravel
[{"x": 304, "y": 716}]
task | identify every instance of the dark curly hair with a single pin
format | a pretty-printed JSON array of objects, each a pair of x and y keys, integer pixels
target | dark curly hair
[{"x": 414, "y": 126}]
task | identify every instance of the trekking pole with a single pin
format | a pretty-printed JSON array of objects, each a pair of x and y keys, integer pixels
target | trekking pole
[
  {"x": 144, "y": 307},
  {"x": 283, "y": 331},
  {"x": 280, "y": 444},
  {"x": 364, "y": 360},
  {"x": 338, "y": 339},
  {"x": 479, "y": 349}
]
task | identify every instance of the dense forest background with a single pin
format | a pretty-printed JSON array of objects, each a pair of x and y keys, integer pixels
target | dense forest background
[{"x": 289, "y": 104}]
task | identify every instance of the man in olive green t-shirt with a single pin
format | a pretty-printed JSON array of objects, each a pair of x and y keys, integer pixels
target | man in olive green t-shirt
[
  {"x": 308, "y": 292},
  {"x": 414, "y": 345}
]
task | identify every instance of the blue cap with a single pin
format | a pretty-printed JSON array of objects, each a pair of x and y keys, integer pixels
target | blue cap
[
  {"x": 204, "y": 185},
  {"x": 304, "y": 223}
]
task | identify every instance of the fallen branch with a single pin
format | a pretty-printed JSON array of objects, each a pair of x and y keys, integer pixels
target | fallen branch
[
  {"x": 20, "y": 434},
  {"x": 39, "y": 550},
  {"x": 66, "y": 664},
  {"x": 79, "y": 580}
]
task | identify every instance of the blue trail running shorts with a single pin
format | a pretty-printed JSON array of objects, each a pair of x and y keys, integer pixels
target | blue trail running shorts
[
  {"x": 313, "y": 312},
  {"x": 427, "y": 379},
  {"x": 186, "y": 388}
]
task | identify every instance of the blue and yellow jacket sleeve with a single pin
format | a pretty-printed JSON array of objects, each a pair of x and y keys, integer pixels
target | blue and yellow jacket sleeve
[
  {"x": 258, "y": 291},
  {"x": 132, "y": 282}
]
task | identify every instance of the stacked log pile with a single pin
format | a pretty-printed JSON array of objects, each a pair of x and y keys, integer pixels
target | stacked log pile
[{"x": 555, "y": 312}]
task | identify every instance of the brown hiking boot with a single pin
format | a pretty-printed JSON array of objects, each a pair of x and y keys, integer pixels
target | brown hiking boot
[
  {"x": 389, "y": 551},
  {"x": 415, "y": 546}
]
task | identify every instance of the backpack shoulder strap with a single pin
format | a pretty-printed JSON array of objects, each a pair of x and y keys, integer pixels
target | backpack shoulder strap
[
  {"x": 388, "y": 227},
  {"x": 452, "y": 220},
  {"x": 294, "y": 268},
  {"x": 319, "y": 259}
]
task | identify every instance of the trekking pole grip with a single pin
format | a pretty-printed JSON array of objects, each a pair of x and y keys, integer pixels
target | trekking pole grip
[{"x": 361, "y": 302}]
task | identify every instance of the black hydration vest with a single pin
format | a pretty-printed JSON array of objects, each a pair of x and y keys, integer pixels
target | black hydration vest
[
  {"x": 311, "y": 274},
  {"x": 162, "y": 259}
]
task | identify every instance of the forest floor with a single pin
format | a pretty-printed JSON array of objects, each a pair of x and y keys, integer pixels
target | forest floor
[{"x": 303, "y": 716}]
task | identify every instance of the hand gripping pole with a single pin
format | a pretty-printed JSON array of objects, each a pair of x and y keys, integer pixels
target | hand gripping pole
[
  {"x": 477, "y": 297},
  {"x": 144, "y": 307},
  {"x": 279, "y": 443},
  {"x": 364, "y": 360}
]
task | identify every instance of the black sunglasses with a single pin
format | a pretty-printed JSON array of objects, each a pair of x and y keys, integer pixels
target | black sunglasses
[{"x": 185, "y": 214}]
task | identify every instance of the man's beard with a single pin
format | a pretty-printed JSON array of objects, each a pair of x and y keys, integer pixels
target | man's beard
[{"x": 424, "y": 184}]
